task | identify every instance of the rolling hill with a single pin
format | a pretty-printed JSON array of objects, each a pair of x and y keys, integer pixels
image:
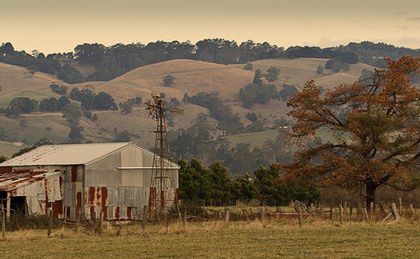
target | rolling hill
[{"x": 191, "y": 77}]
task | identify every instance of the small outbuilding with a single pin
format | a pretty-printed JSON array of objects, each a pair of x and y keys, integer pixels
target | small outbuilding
[{"x": 83, "y": 181}]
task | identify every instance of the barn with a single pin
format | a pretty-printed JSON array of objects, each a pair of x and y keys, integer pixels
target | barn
[{"x": 84, "y": 181}]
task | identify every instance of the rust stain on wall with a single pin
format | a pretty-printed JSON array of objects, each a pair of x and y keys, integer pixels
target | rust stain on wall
[
  {"x": 74, "y": 173},
  {"x": 117, "y": 213}
]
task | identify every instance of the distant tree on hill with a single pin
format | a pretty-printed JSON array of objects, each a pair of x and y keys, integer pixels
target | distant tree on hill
[
  {"x": 218, "y": 110},
  {"x": 104, "y": 101},
  {"x": 69, "y": 74},
  {"x": 168, "y": 80},
  {"x": 320, "y": 70},
  {"x": 21, "y": 105},
  {"x": 252, "y": 116},
  {"x": 173, "y": 103},
  {"x": 287, "y": 91},
  {"x": 124, "y": 136},
  {"x": 58, "y": 89},
  {"x": 72, "y": 115},
  {"x": 89, "y": 53},
  {"x": 378, "y": 128},
  {"x": 7, "y": 48},
  {"x": 253, "y": 93},
  {"x": 273, "y": 73},
  {"x": 248, "y": 66},
  {"x": 258, "y": 77}
]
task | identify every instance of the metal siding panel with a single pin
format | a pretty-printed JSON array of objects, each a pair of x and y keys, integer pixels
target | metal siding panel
[{"x": 131, "y": 178}]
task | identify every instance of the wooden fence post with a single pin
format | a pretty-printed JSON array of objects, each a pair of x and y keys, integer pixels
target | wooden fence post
[
  {"x": 395, "y": 211},
  {"x": 3, "y": 221},
  {"x": 100, "y": 223},
  {"x": 321, "y": 212},
  {"x": 299, "y": 208},
  {"x": 359, "y": 212},
  {"x": 77, "y": 219},
  {"x": 185, "y": 217},
  {"x": 340, "y": 213},
  {"x": 49, "y": 212},
  {"x": 371, "y": 211},
  {"x": 401, "y": 206},
  {"x": 412, "y": 211},
  {"x": 331, "y": 214},
  {"x": 165, "y": 216},
  {"x": 227, "y": 215},
  {"x": 144, "y": 219},
  {"x": 366, "y": 214}
]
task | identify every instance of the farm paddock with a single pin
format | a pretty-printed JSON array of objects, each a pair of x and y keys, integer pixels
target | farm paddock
[{"x": 217, "y": 239}]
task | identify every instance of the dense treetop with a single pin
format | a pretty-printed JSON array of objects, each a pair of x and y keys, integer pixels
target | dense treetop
[{"x": 110, "y": 62}]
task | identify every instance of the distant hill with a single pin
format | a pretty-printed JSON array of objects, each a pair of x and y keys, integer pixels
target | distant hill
[{"x": 191, "y": 77}]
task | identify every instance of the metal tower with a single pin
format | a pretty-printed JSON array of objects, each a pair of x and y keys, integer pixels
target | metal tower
[{"x": 161, "y": 177}]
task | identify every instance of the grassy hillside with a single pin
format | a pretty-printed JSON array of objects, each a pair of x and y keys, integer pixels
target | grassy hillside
[
  {"x": 16, "y": 81},
  {"x": 7, "y": 149},
  {"x": 191, "y": 77}
]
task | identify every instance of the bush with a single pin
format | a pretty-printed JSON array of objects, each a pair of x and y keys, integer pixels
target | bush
[
  {"x": 168, "y": 80},
  {"x": 55, "y": 88},
  {"x": 273, "y": 73},
  {"x": 320, "y": 70},
  {"x": 254, "y": 93},
  {"x": 287, "y": 92},
  {"x": 251, "y": 116},
  {"x": 248, "y": 66},
  {"x": 21, "y": 105}
]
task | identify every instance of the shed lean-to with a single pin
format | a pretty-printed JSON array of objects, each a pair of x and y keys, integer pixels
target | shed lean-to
[{"x": 85, "y": 180}]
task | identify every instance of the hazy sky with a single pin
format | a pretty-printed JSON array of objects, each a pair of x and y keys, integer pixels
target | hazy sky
[{"x": 59, "y": 25}]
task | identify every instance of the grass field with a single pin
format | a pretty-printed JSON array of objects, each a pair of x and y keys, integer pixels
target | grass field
[
  {"x": 7, "y": 149},
  {"x": 215, "y": 239}
]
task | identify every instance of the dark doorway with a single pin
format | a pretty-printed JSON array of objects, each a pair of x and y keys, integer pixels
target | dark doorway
[
  {"x": 3, "y": 197},
  {"x": 18, "y": 205}
]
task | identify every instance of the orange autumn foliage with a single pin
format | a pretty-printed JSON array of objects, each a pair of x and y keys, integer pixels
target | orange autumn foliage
[{"x": 378, "y": 128}]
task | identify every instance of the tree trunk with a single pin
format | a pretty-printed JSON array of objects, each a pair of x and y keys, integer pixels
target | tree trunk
[{"x": 370, "y": 193}]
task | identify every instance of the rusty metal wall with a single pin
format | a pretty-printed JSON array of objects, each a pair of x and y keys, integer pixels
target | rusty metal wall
[
  {"x": 73, "y": 191},
  {"x": 121, "y": 194},
  {"x": 38, "y": 193},
  {"x": 100, "y": 187}
]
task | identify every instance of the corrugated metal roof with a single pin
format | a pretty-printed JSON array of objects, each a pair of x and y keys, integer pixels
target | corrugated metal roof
[
  {"x": 17, "y": 179},
  {"x": 68, "y": 154}
]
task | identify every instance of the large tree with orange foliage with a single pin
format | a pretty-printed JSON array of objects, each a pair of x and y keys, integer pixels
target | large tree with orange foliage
[{"x": 377, "y": 129}]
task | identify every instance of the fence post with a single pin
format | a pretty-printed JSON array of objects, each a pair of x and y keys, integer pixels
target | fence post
[
  {"x": 300, "y": 215},
  {"x": 395, "y": 211},
  {"x": 359, "y": 212},
  {"x": 144, "y": 219},
  {"x": 185, "y": 217},
  {"x": 3, "y": 221},
  {"x": 165, "y": 217},
  {"x": 412, "y": 211},
  {"x": 49, "y": 212},
  {"x": 340, "y": 213},
  {"x": 401, "y": 206},
  {"x": 331, "y": 213},
  {"x": 100, "y": 222},
  {"x": 77, "y": 219},
  {"x": 227, "y": 215}
]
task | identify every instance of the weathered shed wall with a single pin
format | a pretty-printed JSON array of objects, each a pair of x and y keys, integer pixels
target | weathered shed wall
[
  {"x": 121, "y": 194},
  {"x": 118, "y": 185}
]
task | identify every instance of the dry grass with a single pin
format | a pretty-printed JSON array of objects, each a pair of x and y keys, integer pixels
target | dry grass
[
  {"x": 217, "y": 239},
  {"x": 192, "y": 76}
]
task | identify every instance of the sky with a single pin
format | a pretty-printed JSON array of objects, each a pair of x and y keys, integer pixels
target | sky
[{"x": 59, "y": 25}]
